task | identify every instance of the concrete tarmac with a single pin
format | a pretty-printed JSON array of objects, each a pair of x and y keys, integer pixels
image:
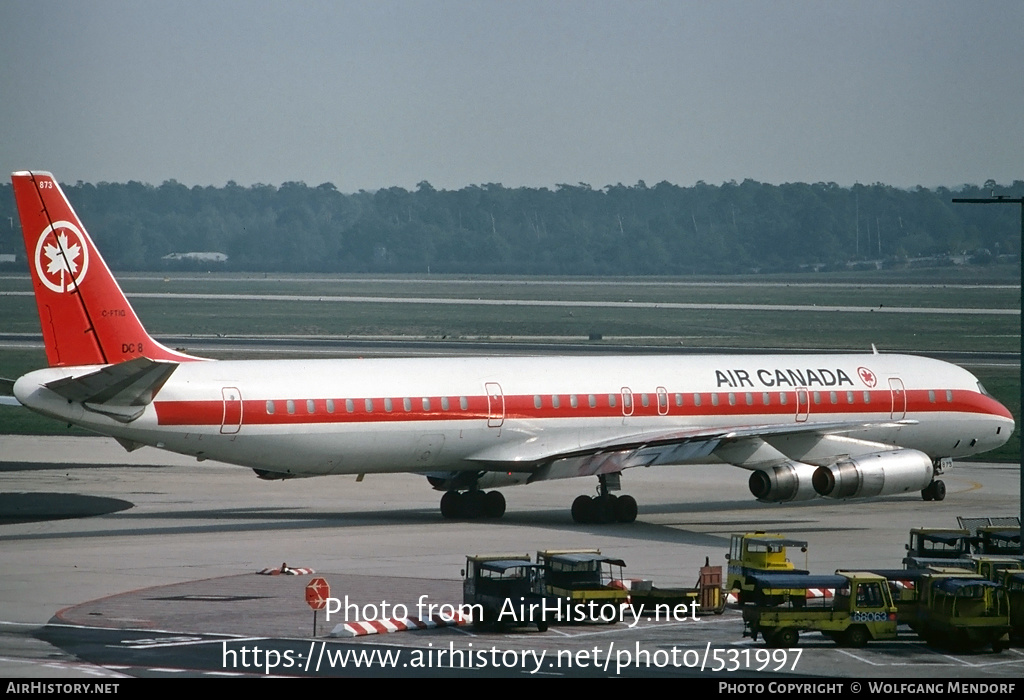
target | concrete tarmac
[{"x": 95, "y": 537}]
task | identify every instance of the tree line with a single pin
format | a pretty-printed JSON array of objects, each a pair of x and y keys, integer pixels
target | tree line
[{"x": 664, "y": 229}]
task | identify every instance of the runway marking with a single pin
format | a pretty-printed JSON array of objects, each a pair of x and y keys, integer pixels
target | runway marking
[{"x": 679, "y": 306}]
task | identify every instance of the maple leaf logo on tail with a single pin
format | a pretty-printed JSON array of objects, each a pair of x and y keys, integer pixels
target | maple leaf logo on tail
[{"x": 66, "y": 260}]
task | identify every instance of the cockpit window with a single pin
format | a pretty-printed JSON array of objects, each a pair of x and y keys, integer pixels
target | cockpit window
[{"x": 983, "y": 390}]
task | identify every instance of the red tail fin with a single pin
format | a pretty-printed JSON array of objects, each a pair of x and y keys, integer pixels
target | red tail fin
[{"x": 85, "y": 316}]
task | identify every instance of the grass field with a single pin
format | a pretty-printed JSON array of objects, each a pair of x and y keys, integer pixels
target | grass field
[{"x": 646, "y": 326}]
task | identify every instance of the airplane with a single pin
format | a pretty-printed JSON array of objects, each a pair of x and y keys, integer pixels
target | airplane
[{"x": 839, "y": 426}]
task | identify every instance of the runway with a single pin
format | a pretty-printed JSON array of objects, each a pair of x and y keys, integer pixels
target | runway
[
  {"x": 569, "y": 304},
  {"x": 162, "y": 548}
]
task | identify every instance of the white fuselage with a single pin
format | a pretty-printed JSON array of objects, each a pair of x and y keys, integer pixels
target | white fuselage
[{"x": 305, "y": 418}]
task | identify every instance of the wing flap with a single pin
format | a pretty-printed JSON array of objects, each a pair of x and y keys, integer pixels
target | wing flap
[{"x": 822, "y": 441}]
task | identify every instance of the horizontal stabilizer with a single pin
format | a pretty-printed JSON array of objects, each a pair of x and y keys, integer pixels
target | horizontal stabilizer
[
  {"x": 121, "y": 391},
  {"x": 7, "y": 393}
]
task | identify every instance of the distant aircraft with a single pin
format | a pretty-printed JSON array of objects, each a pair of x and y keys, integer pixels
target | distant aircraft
[{"x": 838, "y": 426}]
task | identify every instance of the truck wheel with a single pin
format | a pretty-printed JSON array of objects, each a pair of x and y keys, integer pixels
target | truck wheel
[
  {"x": 787, "y": 637},
  {"x": 856, "y": 636},
  {"x": 542, "y": 626}
]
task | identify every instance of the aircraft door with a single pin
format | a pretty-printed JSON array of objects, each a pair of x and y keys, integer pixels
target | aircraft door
[
  {"x": 803, "y": 404},
  {"x": 231, "y": 418},
  {"x": 627, "y": 401},
  {"x": 899, "y": 399},
  {"x": 495, "y": 405},
  {"x": 662, "y": 401}
]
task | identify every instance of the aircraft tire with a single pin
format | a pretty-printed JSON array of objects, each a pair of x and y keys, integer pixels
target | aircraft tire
[
  {"x": 450, "y": 505},
  {"x": 604, "y": 507},
  {"x": 926, "y": 492},
  {"x": 583, "y": 509},
  {"x": 474, "y": 504},
  {"x": 938, "y": 490},
  {"x": 625, "y": 509},
  {"x": 494, "y": 504}
]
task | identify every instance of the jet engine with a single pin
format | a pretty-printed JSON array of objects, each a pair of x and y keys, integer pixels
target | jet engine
[
  {"x": 790, "y": 481},
  {"x": 875, "y": 474}
]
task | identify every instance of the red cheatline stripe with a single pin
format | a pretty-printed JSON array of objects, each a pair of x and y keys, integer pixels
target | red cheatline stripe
[{"x": 523, "y": 407}]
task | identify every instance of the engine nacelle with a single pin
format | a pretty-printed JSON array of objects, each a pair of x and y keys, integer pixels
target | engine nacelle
[
  {"x": 875, "y": 474},
  {"x": 790, "y": 481}
]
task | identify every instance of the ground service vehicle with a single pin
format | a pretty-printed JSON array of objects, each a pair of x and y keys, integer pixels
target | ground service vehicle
[
  {"x": 648, "y": 600},
  {"x": 508, "y": 590},
  {"x": 962, "y": 610},
  {"x": 992, "y": 567},
  {"x": 937, "y": 547},
  {"x": 998, "y": 540},
  {"x": 580, "y": 577},
  {"x": 1013, "y": 582},
  {"x": 903, "y": 587},
  {"x": 757, "y": 553},
  {"x": 860, "y": 611}
]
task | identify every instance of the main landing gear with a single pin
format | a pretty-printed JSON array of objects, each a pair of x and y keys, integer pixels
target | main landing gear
[
  {"x": 935, "y": 491},
  {"x": 472, "y": 504},
  {"x": 604, "y": 507}
]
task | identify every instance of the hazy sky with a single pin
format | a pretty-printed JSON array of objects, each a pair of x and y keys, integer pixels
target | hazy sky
[{"x": 374, "y": 94}]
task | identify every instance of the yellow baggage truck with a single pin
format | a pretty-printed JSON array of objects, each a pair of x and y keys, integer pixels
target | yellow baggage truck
[
  {"x": 755, "y": 553},
  {"x": 861, "y": 610}
]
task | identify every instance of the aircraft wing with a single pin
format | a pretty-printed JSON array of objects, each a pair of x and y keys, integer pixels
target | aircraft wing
[{"x": 750, "y": 447}]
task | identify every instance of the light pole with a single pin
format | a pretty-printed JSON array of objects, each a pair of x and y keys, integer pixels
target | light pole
[{"x": 1000, "y": 199}]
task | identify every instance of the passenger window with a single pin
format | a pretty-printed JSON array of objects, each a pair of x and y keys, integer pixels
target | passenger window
[
  {"x": 536, "y": 401},
  {"x": 750, "y": 399},
  {"x": 766, "y": 399},
  {"x": 310, "y": 406},
  {"x": 555, "y": 402},
  {"x": 291, "y": 406},
  {"x": 388, "y": 405},
  {"x": 463, "y": 403},
  {"x": 696, "y": 399},
  {"x": 330, "y": 405},
  {"x": 407, "y": 404},
  {"x": 572, "y": 401},
  {"x": 270, "y": 408},
  {"x": 592, "y": 400},
  {"x": 368, "y": 403},
  {"x": 679, "y": 399},
  {"x": 426, "y": 404},
  {"x": 444, "y": 403},
  {"x": 350, "y": 405}
]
